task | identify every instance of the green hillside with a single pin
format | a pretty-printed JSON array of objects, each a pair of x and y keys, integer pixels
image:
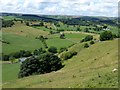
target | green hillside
[
  {"x": 92, "y": 67},
  {"x": 20, "y": 37}
]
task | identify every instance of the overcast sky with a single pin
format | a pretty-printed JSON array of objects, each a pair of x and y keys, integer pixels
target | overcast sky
[{"x": 62, "y": 7}]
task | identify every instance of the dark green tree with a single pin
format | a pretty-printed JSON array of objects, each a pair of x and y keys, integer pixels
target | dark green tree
[
  {"x": 106, "y": 35},
  {"x": 29, "y": 67},
  {"x": 86, "y": 45},
  {"x": 88, "y": 38},
  {"x": 52, "y": 49}
]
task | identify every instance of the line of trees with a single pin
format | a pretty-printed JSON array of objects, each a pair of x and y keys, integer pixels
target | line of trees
[{"x": 7, "y": 23}]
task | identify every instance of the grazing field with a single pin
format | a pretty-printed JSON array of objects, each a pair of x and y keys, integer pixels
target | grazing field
[
  {"x": 23, "y": 30},
  {"x": 10, "y": 72},
  {"x": 20, "y": 37},
  {"x": 70, "y": 39},
  {"x": 87, "y": 46},
  {"x": 18, "y": 43},
  {"x": 92, "y": 68},
  {"x": 11, "y": 18}
]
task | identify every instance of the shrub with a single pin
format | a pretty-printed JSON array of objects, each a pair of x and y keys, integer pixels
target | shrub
[
  {"x": 5, "y": 57},
  {"x": 52, "y": 49},
  {"x": 68, "y": 55},
  {"x": 92, "y": 42},
  {"x": 63, "y": 49},
  {"x": 86, "y": 45},
  {"x": 106, "y": 35},
  {"x": 88, "y": 38},
  {"x": 38, "y": 51},
  {"x": 27, "y": 23},
  {"x": 41, "y": 23},
  {"x": 82, "y": 41},
  {"x": 51, "y": 32},
  {"x": 86, "y": 30},
  {"x": 27, "y": 54}
]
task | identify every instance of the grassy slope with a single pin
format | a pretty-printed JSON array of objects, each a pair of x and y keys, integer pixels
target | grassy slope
[
  {"x": 92, "y": 67},
  {"x": 69, "y": 40},
  {"x": 6, "y": 72},
  {"x": 21, "y": 36},
  {"x": 21, "y": 40}
]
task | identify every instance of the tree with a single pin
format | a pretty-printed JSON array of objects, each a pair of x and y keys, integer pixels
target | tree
[
  {"x": 52, "y": 49},
  {"x": 38, "y": 51},
  {"x": 41, "y": 24},
  {"x": 86, "y": 30},
  {"x": 27, "y": 54},
  {"x": 45, "y": 63},
  {"x": 68, "y": 55},
  {"x": 106, "y": 35},
  {"x": 49, "y": 62},
  {"x": 51, "y": 32},
  {"x": 62, "y": 35},
  {"x": 27, "y": 23},
  {"x": 5, "y": 57},
  {"x": 88, "y": 38},
  {"x": 105, "y": 27},
  {"x": 29, "y": 67},
  {"x": 78, "y": 29},
  {"x": 86, "y": 45},
  {"x": 92, "y": 42},
  {"x": 63, "y": 49}
]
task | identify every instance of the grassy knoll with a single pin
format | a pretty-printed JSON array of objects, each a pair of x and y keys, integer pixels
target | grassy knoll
[{"x": 92, "y": 67}]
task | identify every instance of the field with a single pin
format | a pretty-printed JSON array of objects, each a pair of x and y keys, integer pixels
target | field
[
  {"x": 90, "y": 68},
  {"x": 21, "y": 38},
  {"x": 10, "y": 72}
]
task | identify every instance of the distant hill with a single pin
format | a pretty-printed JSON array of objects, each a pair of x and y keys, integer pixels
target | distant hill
[{"x": 70, "y": 20}]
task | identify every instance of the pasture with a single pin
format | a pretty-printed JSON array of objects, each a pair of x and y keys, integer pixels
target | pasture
[
  {"x": 10, "y": 72},
  {"x": 91, "y": 68},
  {"x": 21, "y": 38}
]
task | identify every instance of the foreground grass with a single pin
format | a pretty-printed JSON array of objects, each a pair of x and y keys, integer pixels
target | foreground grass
[
  {"x": 92, "y": 67},
  {"x": 9, "y": 72}
]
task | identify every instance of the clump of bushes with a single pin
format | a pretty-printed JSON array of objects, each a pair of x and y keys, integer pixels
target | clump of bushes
[
  {"x": 21, "y": 53},
  {"x": 5, "y": 57},
  {"x": 38, "y": 51},
  {"x": 52, "y": 49},
  {"x": 45, "y": 63},
  {"x": 7, "y": 23},
  {"x": 68, "y": 55},
  {"x": 63, "y": 49},
  {"x": 92, "y": 42},
  {"x": 87, "y": 38},
  {"x": 106, "y": 35},
  {"x": 86, "y": 45},
  {"x": 6, "y": 42}
]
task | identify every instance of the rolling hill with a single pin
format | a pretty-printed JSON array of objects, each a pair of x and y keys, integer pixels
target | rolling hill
[{"x": 91, "y": 68}]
